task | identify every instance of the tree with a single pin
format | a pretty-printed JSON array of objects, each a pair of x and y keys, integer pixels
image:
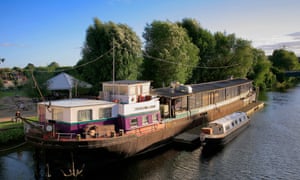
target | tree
[
  {"x": 169, "y": 53},
  {"x": 284, "y": 60},
  {"x": 261, "y": 70},
  {"x": 37, "y": 81},
  {"x": 205, "y": 42},
  {"x": 53, "y": 66},
  {"x": 232, "y": 58},
  {"x": 104, "y": 43}
]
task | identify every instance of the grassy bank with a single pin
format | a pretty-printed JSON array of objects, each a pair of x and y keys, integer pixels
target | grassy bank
[{"x": 11, "y": 133}]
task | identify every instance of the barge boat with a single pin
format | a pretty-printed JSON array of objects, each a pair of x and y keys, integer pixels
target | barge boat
[{"x": 131, "y": 118}]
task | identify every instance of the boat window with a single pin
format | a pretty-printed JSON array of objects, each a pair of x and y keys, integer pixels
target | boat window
[
  {"x": 122, "y": 90},
  {"x": 133, "y": 122},
  {"x": 227, "y": 127},
  {"x": 104, "y": 113},
  {"x": 84, "y": 115},
  {"x": 235, "y": 121},
  {"x": 145, "y": 120},
  {"x": 232, "y": 124},
  {"x": 57, "y": 114},
  {"x": 155, "y": 118},
  {"x": 240, "y": 120}
]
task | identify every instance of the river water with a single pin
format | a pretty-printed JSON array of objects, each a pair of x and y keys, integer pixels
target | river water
[{"x": 268, "y": 149}]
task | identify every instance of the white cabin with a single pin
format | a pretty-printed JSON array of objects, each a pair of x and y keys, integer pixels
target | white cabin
[
  {"x": 226, "y": 123},
  {"x": 76, "y": 110},
  {"x": 126, "y": 91}
]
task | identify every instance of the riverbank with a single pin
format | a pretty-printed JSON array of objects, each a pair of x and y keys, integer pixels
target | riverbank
[{"x": 11, "y": 104}]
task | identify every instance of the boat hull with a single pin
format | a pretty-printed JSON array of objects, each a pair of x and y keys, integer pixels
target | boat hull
[{"x": 126, "y": 145}]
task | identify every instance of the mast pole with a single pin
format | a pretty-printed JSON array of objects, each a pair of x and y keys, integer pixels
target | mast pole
[{"x": 113, "y": 75}]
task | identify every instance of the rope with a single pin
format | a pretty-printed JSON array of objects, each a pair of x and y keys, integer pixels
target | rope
[
  {"x": 37, "y": 86},
  {"x": 14, "y": 147}
]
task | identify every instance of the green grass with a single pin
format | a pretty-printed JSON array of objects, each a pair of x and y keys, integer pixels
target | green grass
[
  {"x": 10, "y": 124},
  {"x": 11, "y": 136},
  {"x": 12, "y": 92},
  {"x": 6, "y": 125}
]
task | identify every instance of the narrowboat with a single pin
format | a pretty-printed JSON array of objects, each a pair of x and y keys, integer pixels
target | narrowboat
[
  {"x": 221, "y": 131},
  {"x": 132, "y": 118}
]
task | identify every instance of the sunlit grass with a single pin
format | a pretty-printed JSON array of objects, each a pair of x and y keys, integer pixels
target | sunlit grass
[{"x": 12, "y": 92}]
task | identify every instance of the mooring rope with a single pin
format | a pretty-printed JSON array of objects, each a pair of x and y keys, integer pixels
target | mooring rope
[{"x": 14, "y": 147}]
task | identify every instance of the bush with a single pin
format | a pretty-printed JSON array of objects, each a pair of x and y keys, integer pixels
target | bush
[{"x": 11, "y": 135}]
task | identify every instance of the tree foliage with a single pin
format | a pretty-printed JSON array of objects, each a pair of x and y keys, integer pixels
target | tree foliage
[
  {"x": 222, "y": 56},
  {"x": 104, "y": 43},
  {"x": 261, "y": 70},
  {"x": 205, "y": 41},
  {"x": 169, "y": 53},
  {"x": 284, "y": 60}
]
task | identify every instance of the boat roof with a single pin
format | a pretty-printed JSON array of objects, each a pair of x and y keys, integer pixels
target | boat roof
[
  {"x": 126, "y": 82},
  {"x": 202, "y": 87},
  {"x": 228, "y": 119},
  {"x": 76, "y": 102}
]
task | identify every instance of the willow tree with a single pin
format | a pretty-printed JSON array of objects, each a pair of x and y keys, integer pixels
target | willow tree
[
  {"x": 111, "y": 51},
  {"x": 169, "y": 53}
]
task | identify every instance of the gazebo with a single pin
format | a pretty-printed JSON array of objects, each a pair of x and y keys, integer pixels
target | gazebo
[{"x": 64, "y": 81}]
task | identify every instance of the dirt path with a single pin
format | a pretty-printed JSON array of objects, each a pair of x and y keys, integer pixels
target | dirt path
[{"x": 10, "y": 105}]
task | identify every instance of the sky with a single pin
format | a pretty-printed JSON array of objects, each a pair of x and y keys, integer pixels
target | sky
[{"x": 43, "y": 31}]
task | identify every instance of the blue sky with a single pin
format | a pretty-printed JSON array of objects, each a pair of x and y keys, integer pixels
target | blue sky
[{"x": 43, "y": 31}]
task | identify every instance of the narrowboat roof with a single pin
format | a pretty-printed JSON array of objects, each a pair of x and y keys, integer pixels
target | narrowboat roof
[
  {"x": 228, "y": 119},
  {"x": 76, "y": 102},
  {"x": 126, "y": 82},
  {"x": 202, "y": 87}
]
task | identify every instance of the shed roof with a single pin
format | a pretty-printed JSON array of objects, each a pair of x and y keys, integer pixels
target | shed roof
[{"x": 64, "y": 81}]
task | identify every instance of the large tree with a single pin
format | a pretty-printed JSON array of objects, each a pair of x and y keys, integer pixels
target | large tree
[
  {"x": 261, "y": 70},
  {"x": 107, "y": 43},
  {"x": 232, "y": 57},
  {"x": 284, "y": 60},
  {"x": 205, "y": 41},
  {"x": 169, "y": 53}
]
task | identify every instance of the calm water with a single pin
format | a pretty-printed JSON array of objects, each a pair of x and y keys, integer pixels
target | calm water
[{"x": 268, "y": 149}]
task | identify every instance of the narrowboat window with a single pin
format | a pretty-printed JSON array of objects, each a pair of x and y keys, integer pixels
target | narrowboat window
[
  {"x": 232, "y": 124},
  {"x": 235, "y": 121},
  {"x": 227, "y": 127},
  {"x": 134, "y": 122},
  {"x": 57, "y": 114},
  {"x": 84, "y": 115},
  {"x": 240, "y": 120},
  {"x": 104, "y": 113},
  {"x": 145, "y": 120}
]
